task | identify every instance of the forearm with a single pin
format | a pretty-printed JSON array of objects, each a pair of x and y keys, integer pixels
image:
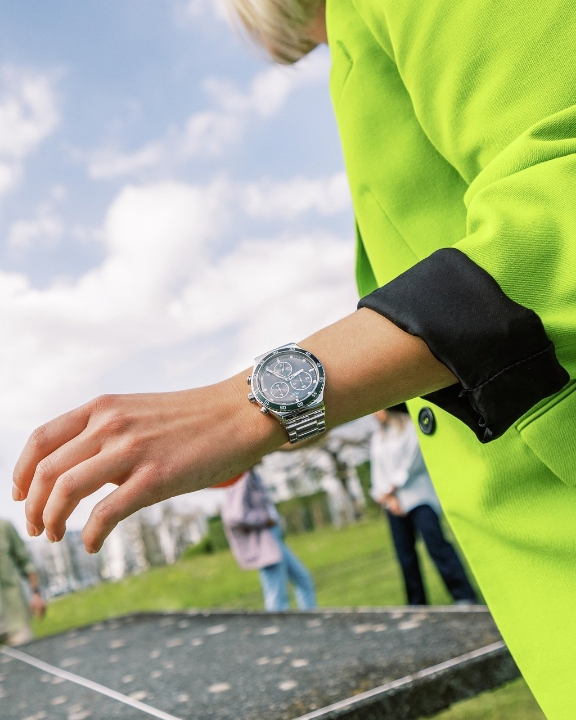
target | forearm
[
  {"x": 370, "y": 364},
  {"x": 159, "y": 445}
]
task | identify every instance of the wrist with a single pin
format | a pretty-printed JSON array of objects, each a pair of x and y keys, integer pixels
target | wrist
[
  {"x": 372, "y": 364},
  {"x": 260, "y": 433}
]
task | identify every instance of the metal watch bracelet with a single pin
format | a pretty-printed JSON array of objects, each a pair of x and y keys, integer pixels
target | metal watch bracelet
[{"x": 306, "y": 425}]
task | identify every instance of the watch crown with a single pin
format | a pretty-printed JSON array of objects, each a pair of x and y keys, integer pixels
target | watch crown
[
  {"x": 249, "y": 379},
  {"x": 264, "y": 410},
  {"x": 251, "y": 397}
]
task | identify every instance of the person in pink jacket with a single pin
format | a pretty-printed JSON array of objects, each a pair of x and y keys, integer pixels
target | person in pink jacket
[{"x": 251, "y": 523}]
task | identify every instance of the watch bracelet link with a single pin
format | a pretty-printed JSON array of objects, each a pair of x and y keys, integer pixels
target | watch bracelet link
[{"x": 306, "y": 425}]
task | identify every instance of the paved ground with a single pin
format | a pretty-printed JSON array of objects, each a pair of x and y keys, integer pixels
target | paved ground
[{"x": 241, "y": 666}]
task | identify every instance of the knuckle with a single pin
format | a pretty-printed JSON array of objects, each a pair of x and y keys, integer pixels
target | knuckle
[
  {"x": 103, "y": 403},
  {"x": 131, "y": 448},
  {"x": 44, "y": 471},
  {"x": 103, "y": 514},
  {"x": 112, "y": 422},
  {"x": 66, "y": 485},
  {"x": 17, "y": 475},
  {"x": 151, "y": 485},
  {"x": 39, "y": 437},
  {"x": 115, "y": 424},
  {"x": 33, "y": 515}
]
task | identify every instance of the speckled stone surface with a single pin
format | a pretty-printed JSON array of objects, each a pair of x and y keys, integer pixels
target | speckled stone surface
[{"x": 249, "y": 666}]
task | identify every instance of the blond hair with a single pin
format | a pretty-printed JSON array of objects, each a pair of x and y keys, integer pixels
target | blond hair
[{"x": 277, "y": 26}]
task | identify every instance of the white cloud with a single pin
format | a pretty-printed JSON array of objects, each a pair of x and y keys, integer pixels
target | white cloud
[
  {"x": 46, "y": 228},
  {"x": 28, "y": 115},
  {"x": 268, "y": 91},
  {"x": 152, "y": 289},
  {"x": 111, "y": 163},
  {"x": 10, "y": 174},
  {"x": 265, "y": 97},
  {"x": 326, "y": 195},
  {"x": 193, "y": 9},
  {"x": 162, "y": 284},
  {"x": 212, "y": 131},
  {"x": 269, "y": 291},
  {"x": 57, "y": 341}
]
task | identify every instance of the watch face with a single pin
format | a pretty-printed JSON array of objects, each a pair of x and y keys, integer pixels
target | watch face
[{"x": 288, "y": 379}]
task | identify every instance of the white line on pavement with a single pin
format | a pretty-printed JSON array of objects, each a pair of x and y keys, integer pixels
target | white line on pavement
[
  {"x": 403, "y": 681},
  {"x": 102, "y": 689}
]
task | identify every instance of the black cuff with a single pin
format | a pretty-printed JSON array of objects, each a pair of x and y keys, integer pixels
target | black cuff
[{"x": 496, "y": 348}]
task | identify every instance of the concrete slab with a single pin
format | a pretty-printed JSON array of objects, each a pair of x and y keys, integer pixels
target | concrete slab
[{"x": 356, "y": 664}]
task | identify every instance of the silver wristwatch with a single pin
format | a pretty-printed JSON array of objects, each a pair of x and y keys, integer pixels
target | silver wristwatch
[{"x": 288, "y": 382}]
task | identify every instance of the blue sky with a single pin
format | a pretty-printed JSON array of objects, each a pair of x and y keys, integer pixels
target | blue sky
[{"x": 170, "y": 205}]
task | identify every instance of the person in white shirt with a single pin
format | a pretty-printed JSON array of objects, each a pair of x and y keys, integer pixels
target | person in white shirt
[{"x": 402, "y": 486}]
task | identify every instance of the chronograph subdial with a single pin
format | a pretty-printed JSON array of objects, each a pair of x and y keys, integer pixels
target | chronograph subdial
[
  {"x": 279, "y": 390},
  {"x": 302, "y": 380},
  {"x": 281, "y": 369}
]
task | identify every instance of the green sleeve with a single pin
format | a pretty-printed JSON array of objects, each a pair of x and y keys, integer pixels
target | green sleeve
[
  {"x": 19, "y": 552},
  {"x": 522, "y": 226},
  {"x": 493, "y": 87}
]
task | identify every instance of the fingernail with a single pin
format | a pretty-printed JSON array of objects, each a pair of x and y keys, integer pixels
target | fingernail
[
  {"x": 17, "y": 495},
  {"x": 32, "y": 531},
  {"x": 51, "y": 538}
]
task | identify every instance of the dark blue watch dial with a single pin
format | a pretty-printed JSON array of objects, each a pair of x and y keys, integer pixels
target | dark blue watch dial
[{"x": 289, "y": 378}]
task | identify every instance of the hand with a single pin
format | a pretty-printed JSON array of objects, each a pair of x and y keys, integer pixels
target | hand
[
  {"x": 156, "y": 446},
  {"x": 392, "y": 504},
  {"x": 37, "y": 605},
  {"x": 153, "y": 446}
]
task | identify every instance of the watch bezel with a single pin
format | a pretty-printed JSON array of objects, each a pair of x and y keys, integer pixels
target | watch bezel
[{"x": 287, "y": 408}]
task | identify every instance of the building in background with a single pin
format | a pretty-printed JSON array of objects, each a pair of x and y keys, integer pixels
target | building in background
[
  {"x": 64, "y": 566},
  {"x": 149, "y": 538}
]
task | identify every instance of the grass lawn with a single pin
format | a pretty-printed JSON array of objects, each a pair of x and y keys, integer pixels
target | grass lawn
[
  {"x": 511, "y": 702},
  {"x": 354, "y": 566}
]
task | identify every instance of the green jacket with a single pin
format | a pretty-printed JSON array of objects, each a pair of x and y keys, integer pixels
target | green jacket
[
  {"x": 458, "y": 125},
  {"x": 15, "y": 565}
]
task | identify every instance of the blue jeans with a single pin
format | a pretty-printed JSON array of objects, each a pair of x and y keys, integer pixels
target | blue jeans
[{"x": 274, "y": 580}]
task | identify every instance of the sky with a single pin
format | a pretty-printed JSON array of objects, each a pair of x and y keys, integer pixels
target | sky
[{"x": 171, "y": 206}]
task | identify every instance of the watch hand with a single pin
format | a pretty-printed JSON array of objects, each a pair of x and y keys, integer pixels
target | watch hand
[
  {"x": 296, "y": 374},
  {"x": 276, "y": 374}
]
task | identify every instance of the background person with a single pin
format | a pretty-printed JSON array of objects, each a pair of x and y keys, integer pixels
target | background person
[
  {"x": 16, "y": 565},
  {"x": 402, "y": 485},
  {"x": 252, "y": 525}
]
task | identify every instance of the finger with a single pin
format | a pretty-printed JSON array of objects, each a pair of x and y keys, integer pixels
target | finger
[
  {"x": 74, "y": 485},
  {"x": 48, "y": 470},
  {"x": 44, "y": 441},
  {"x": 131, "y": 496}
]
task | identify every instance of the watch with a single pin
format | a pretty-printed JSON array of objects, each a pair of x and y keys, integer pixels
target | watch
[{"x": 288, "y": 382}]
